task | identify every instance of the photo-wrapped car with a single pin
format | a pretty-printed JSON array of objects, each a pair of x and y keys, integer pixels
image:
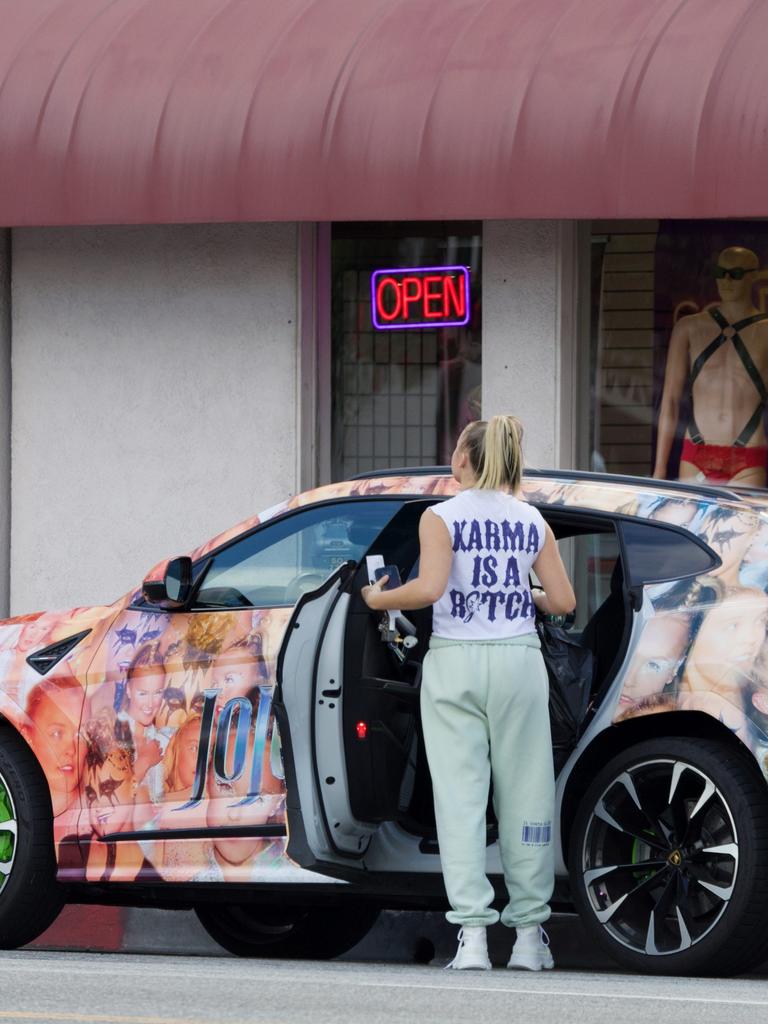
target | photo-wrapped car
[{"x": 241, "y": 736}]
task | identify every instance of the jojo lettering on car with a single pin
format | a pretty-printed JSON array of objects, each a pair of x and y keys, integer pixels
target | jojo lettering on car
[{"x": 231, "y": 730}]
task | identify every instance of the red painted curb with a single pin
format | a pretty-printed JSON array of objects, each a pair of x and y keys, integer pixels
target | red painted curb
[{"x": 78, "y": 927}]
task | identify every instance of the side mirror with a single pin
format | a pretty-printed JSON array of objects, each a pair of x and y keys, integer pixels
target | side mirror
[{"x": 174, "y": 589}]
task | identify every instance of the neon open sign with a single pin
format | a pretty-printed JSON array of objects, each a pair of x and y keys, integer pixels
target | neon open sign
[{"x": 420, "y": 297}]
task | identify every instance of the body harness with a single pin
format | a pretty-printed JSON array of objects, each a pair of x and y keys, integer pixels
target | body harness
[{"x": 749, "y": 366}]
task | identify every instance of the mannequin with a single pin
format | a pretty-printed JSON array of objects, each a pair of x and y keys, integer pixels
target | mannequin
[{"x": 721, "y": 355}]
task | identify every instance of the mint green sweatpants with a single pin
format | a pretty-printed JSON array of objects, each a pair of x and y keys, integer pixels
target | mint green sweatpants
[{"x": 484, "y": 711}]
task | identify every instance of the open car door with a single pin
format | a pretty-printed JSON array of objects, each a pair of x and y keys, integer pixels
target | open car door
[
  {"x": 321, "y": 830},
  {"x": 346, "y": 704}
]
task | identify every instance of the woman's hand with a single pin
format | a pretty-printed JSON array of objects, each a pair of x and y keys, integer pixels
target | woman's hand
[
  {"x": 435, "y": 558},
  {"x": 370, "y": 594},
  {"x": 148, "y": 756}
]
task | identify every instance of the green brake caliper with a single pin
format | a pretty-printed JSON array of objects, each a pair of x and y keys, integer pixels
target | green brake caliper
[
  {"x": 7, "y": 833},
  {"x": 637, "y": 855}
]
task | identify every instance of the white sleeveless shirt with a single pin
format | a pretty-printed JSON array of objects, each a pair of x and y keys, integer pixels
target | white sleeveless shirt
[{"x": 496, "y": 538}]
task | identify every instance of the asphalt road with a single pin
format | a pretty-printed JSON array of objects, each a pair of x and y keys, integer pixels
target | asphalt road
[{"x": 130, "y": 989}]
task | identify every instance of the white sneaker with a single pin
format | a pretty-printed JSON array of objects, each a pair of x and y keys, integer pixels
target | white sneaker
[
  {"x": 531, "y": 951},
  {"x": 472, "y": 954}
]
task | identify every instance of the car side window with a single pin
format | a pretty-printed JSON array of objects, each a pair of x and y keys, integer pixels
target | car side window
[
  {"x": 658, "y": 554},
  {"x": 592, "y": 560},
  {"x": 278, "y": 563}
]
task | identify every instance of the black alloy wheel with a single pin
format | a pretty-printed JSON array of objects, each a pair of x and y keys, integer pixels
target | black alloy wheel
[
  {"x": 669, "y": 858},
  {"x": 308, "y": 933},
  {"x": 30, "y": 898}
]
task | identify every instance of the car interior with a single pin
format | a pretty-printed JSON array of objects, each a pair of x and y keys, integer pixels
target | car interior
[{"x": 387, "y": 771}]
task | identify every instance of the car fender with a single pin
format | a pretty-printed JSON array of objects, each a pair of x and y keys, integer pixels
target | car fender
[
  {"x": 68, "y": 677},
  {"x": 609, "y": 742},
  {"x": 13, "y": 717}
]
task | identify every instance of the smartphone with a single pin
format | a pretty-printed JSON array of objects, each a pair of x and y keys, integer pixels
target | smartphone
[{"x": 394, "y": 576}]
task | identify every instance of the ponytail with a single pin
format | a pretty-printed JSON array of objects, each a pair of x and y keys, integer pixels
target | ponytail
[{"x": 495, "y": 452}]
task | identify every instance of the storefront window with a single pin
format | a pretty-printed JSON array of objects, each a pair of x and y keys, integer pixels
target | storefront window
[
  {"x": 406, "y": 343},
  {"x": 679, "y": 350}
]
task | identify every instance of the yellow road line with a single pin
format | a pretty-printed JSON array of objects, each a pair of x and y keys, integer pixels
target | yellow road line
[{"x": 100, "y": 1018}]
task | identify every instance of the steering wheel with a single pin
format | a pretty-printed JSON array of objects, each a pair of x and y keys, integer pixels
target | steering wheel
[{"x": 302, "y": 584}]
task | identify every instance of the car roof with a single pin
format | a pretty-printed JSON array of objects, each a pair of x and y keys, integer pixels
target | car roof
[
  {"x": 437, "y": 480},
  {"x": 688, "y": 487},
  {"x": 606, "y": 492}
]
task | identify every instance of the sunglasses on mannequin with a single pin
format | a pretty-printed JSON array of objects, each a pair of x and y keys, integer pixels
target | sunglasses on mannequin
[{"x": 735, "y": 273}]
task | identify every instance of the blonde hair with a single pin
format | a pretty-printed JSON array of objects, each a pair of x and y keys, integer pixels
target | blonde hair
[
  {"x": 495, "y": 452},
  {"x": 172, "y": 782}
]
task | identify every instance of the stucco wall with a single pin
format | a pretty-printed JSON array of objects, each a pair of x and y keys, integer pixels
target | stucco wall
[
  {"x": 154, "y": 382},
  {"x": 521, "y": 331},
  {"x": 5, "y": 419}
]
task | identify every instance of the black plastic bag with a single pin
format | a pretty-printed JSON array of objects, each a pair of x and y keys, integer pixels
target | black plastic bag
[{"x": 570, "y": 668}]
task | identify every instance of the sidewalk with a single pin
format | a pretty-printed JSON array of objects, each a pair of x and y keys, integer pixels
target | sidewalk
[{"x": 398, "y": 937}]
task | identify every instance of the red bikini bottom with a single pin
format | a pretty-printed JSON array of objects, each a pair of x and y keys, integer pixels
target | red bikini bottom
[{"x": 721, "y": 462}]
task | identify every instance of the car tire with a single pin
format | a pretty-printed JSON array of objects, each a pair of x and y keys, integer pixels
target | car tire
[
  {"x": 313, "y": 933},
  {"x": 30, "y": 899},
  {"x": 668, "y": 858}
]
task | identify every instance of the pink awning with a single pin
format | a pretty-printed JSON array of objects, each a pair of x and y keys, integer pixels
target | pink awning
[{"x": 141, "y": 111}]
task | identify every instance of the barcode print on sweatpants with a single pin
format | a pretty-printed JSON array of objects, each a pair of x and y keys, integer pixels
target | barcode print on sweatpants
[{"x": 537, "y": 833}]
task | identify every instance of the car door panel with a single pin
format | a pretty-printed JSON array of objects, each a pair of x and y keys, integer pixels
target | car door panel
[{"x": 181, "y": 778}]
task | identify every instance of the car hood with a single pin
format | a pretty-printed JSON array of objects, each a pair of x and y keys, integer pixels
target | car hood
[
  {"x": 79, "y": 618},
  {"x": 22, "y": 635}
]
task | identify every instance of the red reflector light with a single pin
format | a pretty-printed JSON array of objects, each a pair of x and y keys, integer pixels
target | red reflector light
[{"x": 362, "y": 730}]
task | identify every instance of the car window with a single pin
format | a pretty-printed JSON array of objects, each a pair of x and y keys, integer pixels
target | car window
[
  {"x": 658, "y": 554},
  {"x": 275, "y": 565},
  {"x": 591, "y": 559}
]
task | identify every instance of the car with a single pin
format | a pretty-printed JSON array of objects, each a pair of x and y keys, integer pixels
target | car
[{"x": 241, "y": 734}]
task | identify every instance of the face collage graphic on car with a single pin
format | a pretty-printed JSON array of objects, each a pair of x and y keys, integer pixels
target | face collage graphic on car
[
  {"x": 704, "y": 648},
  {"x": 160, "y": 721}
]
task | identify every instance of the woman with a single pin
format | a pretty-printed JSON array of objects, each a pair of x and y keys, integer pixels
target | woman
[
  {"x": 232, "y": 805},
  {"x": 175, "y": 860},
  {"x": 109, "y": 789},
  {"x": 54, "y": 706},
  {"x": 137, "y": 721},
  {"x": 720, "y": 670},
  {"x": 484, "y": 693},
  {"x": 18, "y": 677},
  {"x": 649, "y": 684},
  {"x": 731, "y": 535}
]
